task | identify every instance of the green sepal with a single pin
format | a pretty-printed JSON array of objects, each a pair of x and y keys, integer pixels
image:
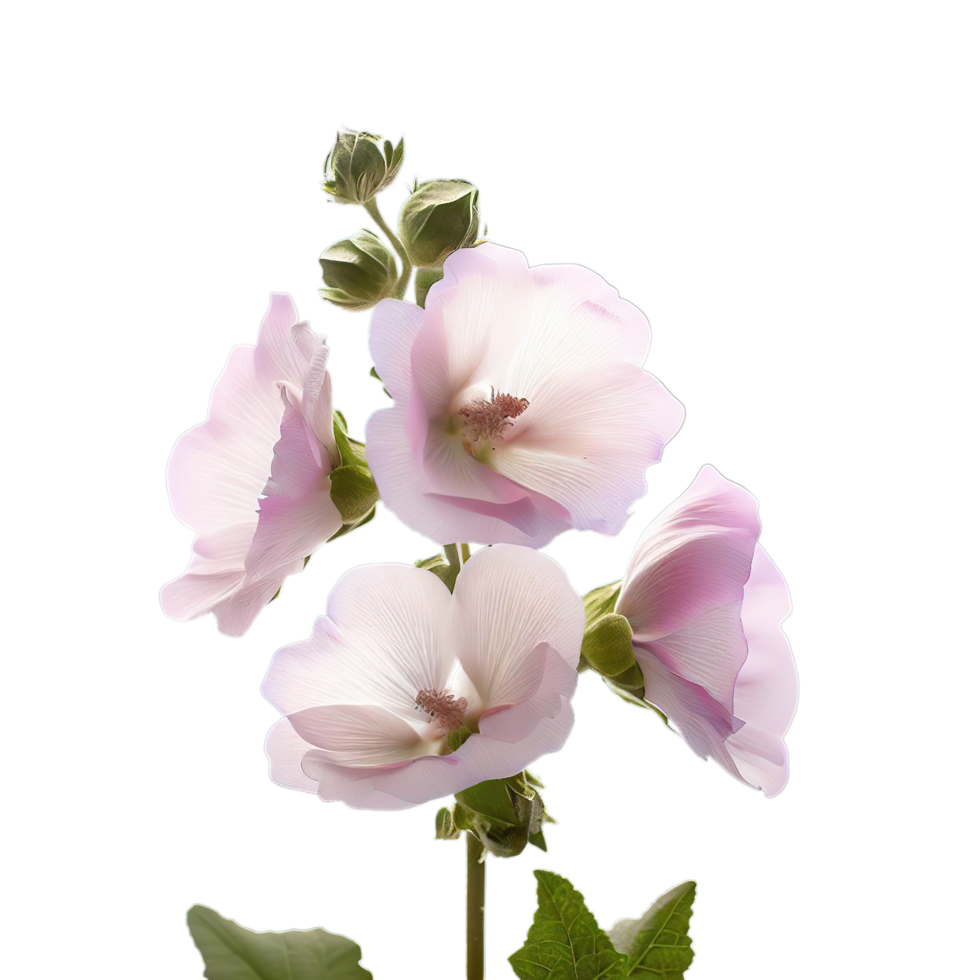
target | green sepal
[
  {"x": 601, "y": 601},
  {"x": 607, "y": 647},
  {"x": 505, "y": 815},
  {"x": 456, "y": 738},
  {"x": 352, "y": 488},
  {"x": 445, "y": 570},
  {"x": 374, "y": 374},
  {"x": 446, "y": 829},
  {"x": 658, "y": 944}
]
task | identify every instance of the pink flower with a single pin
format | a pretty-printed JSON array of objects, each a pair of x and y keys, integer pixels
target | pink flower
[
  {"x": 521, "y": 406},
  {"x": 269, "y": 432},
  {"x": 705, "y": 603},
  {"x": 399, "y": 666}
]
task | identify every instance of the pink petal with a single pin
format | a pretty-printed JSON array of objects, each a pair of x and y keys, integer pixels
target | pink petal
[
  {"x": 236, "y": 613},
  {"x": 405, "y": 489},
  {"x": 706, "y": 654},
  {"x": 586, "y": 441},
  {"x": 428, "y": 778},
  {"x": 357, "y": 734},
  {"x": 285, "y": 750},
  {"x": 299, "y": 514},
  {"x": 278, "y": 357},
  {"x": 694, "y": 557},
  {"x": 218, "y": 469},
  {"x": 501, "y": 623},
  {"x": 767, "y": 686},
  {"x": 702, "y": 721},
  {"x": 394, "y": 327},
  {"x": 385, "y": 638}
]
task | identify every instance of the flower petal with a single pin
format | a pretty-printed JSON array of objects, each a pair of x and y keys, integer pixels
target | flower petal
[
  {"x": 694, "y": 557},
  {"x": 767, "y": 686},
  {"x": 480, "y": 757},
  {"x": 508, "y": 600},
  {"x": 218, "y": 469},
  {"x": 299, "y": 514},
  {"x": 357, "y": 734},
  {"x": 404, "y": 487},
  {"x": 285, "y": 750},
  {"x": 385, "y": 638},
  {"x": 278, "y": 358},
  {"x": 394, "y": 327},
  {"x": 562, "y": 445},
  {"x": 708, "y": 652}
]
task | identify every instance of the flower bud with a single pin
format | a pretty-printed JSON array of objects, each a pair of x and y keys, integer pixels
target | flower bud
[
  {"x": 352, "y": 488},
  {"x": 359, "y": 166},
  {"x": 505, "y": 815},
  {"x": 607, "y": 646},
  {"x": 359, "y": 271},
  {"x": 439, "y": 217}
]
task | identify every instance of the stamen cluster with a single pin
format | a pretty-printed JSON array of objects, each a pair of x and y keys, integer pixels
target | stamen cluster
[
  {"x": 445, "y": 709},
  {"x": 486, "y": 420}
]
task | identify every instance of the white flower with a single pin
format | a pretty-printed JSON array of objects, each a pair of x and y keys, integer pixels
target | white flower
[
  {"x": 521, "y": 405},
  {"x": 399, "y": 667},
  {"x": 254, "y": 480}
]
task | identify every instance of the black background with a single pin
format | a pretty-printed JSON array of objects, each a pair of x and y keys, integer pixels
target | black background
[{"x": 695, "y": 234}]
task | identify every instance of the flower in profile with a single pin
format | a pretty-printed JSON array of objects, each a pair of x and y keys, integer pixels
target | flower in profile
[
  {"x": 705, "y": 604},
  {"x": 254, "y": 479},
  {"x": 406, "y": 692},
  {"x": 521, "y": 408}
]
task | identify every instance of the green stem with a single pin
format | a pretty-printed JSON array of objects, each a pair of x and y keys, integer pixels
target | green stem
[
  {"x": 374, "y": 213},
  {"x": 476, "y": 897}
]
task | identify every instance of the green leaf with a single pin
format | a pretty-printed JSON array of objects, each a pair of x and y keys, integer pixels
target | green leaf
[
  {"x": 564, "y": 941},
  {"x": 232, "y": 952},
  {"x": 657, "y": 944}
]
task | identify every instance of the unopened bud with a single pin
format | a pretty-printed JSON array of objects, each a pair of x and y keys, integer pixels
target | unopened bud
[
  {"x": 439, "y": 217},
  {"x": 359, "y": 166},
  {"x": 359, "y": 271}
]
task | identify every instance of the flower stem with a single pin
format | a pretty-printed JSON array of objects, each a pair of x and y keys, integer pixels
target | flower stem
[
  {"x": 476, "y": 896},
  {"x": 374, "y": 213}
]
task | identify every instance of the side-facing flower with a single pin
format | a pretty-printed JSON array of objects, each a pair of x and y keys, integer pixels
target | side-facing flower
[
  {"x": 406, "y": 692},
  {"x": 705, "y": 604},
  {"x": 521, "y": 405},
  {"x": 254, "y": 480}
]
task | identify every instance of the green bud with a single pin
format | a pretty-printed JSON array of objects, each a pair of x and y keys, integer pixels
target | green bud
[
  {"x": 505, "y": 815},
  {"x": 439, "y": 217},
  {"x": 360, "y": 271},
  {"x": 352, "y": 488},
  {"x": 607, "y": 647},
  {"x": 359, "y": 166}
]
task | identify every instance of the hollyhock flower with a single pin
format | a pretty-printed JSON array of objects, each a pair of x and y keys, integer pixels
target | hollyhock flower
[
  {"x": 378, "y": 698},
  {"x": 705, "y": 604},
  {"x": 521, "y": 406},
  {"x": 254, "y": 480}
]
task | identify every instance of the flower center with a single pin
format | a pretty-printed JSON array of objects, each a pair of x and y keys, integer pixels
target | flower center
[
  {"x": 445, "y": 709},
  {"x": 484, "y": 421}
]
